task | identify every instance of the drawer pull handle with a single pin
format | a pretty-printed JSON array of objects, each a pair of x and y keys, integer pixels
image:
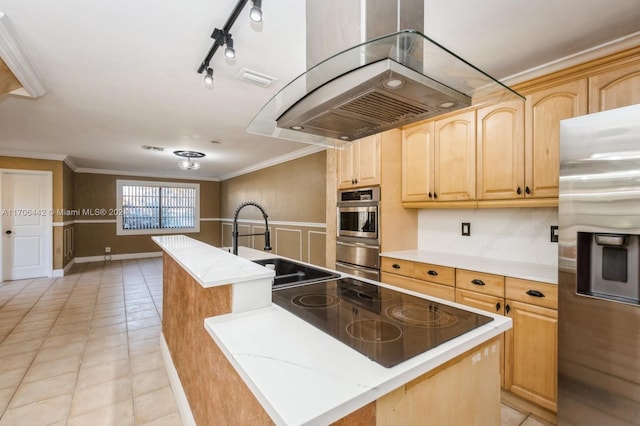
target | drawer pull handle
[
  {"x": 395, "y": 266},
  {"x": 535, "y": 293},
  {"x": 498, "y": 305},
  {"x": 477, "y": 282},
  {"x": 432, "y": 273}
]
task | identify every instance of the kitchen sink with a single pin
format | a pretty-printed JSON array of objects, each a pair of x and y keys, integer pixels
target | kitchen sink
[{"x": 290, "y": 273}]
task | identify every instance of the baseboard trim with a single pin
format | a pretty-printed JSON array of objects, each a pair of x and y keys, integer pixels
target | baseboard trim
[
  {"x": 527, "y": 407},
  {"x": 57, "y": 273},
  {"x": 124, "y": 256},
  {"x": 176, "y": 385}
]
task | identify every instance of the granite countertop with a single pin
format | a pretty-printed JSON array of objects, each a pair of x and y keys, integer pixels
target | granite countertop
[{"x": 522, "y": 270}]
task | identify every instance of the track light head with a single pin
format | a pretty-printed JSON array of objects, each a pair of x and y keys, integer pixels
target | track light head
[
  {"x": 208, "y": 77},
  {"x": 256, "y": 11},
  {"x": 229, "y": 52}
]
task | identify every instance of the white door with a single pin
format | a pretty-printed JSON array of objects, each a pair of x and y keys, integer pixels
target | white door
[{"x": 26, "y": 225}]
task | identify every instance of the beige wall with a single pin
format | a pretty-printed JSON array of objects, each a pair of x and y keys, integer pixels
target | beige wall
[
  {"x": 291, "y": 191},
  {"x": 97, "y": 191},
  {"x": 294, "y": 196}
]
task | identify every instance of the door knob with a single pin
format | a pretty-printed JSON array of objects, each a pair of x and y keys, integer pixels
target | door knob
[{"x": 8, "y": 232}]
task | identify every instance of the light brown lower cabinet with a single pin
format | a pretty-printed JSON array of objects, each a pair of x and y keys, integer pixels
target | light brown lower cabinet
[
  {"x": 532, "y": 344},
  {"x": 463, "y": 391},
  {"x": 431, "y": 280},
  {"x": 529, "y": 351}
]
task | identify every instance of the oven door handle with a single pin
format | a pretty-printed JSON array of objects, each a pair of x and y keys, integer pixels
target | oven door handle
[
  {"x": 371, "y": 271},
  {"x": 357, "y": 244}
]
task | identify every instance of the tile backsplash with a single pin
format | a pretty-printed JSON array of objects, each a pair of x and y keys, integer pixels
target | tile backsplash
[{"x": 515, "y": 234}]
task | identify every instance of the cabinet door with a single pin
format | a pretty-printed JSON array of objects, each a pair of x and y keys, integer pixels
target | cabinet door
[
  {"x": 417, "y": 162},
  {"x": 543, "y": 111},
  {"x": 368, "y": 161},
  {"x": 615, "y": 88},
  {"x": 487, "y": 303},
  {"x": 532, "y": 350},
  {"x": 455, "y": 157},
  {"x": 500, "y": 144},
  {"x": 346, "y": 173}
]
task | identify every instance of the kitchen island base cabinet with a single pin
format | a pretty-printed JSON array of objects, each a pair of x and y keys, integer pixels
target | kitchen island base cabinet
[
  {"x": 464, "y": 391},
  {"x": 197, "y": 359}
]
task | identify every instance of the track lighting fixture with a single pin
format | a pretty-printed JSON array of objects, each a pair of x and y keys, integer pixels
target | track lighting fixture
[
  {"x": 256, "y": 11},
  {"x": 229, "y": 52},
  {"x": 223, "y": 37},
  {"x": 208, "y": 77}
]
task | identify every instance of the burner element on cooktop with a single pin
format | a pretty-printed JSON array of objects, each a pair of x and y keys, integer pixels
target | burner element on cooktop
[
  {"x": 421, "y": 316},
  {"x": 316, "y": 300},
  {"x": 371, "y": 330}
]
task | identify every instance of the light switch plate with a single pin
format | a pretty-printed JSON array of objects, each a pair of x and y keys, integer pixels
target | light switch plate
[
  {"x": 466, "y": 229},
  {"x": 554, "y": 233}
]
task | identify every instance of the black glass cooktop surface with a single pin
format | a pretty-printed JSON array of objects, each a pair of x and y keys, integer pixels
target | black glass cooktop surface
[{"x": 385, "y": 325}]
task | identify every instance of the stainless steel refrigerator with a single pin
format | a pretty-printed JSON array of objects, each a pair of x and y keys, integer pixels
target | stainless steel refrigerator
[{"x": 598, "y": 273}]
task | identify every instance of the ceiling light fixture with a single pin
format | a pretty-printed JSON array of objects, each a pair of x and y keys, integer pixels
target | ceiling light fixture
[
  {"x": 229, "y": 52},
  {"x": 208, "y": 77},
  {"x": 188, "y": 162},
  {"x": 256, "y": 11},
  {"x": 223, "y": 37}
]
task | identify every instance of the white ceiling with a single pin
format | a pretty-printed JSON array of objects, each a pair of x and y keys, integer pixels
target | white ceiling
[{"x": 121, "y": 74}]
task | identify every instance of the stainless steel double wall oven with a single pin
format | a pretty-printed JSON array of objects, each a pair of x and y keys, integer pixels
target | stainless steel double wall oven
[{"x": 358, "y": 232}]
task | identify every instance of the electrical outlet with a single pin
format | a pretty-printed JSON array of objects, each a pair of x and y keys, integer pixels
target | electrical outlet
[
  {"x": 107, "y": 249},
  {"x": 466, "y": 229},
  {"x": 554, "y": 233}
]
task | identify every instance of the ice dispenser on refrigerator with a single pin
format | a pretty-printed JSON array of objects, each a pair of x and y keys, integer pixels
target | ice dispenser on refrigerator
[{"x": 608, "y": 266}]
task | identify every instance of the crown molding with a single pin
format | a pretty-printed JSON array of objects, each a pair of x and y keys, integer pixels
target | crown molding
[
  {"x": 34, "y": 155},
  {"x": 312, "y": 149},
  {"x": 144, "y": 174},
  {"x": 16, "y": 59},
  {"x": 614, "y": 46}
]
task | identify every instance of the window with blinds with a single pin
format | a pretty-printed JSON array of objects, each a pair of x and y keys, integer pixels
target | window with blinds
[{"x": 157, "y": 207}]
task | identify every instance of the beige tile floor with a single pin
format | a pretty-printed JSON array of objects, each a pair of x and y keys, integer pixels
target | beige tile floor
[{"x": 84, "y": 350}]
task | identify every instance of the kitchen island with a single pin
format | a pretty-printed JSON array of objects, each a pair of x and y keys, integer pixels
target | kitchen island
[{"x": 248, "y": 361}]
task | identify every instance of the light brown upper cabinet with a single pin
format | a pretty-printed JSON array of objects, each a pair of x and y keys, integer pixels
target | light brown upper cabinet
[
  {"x": 418, "y": 162},
  {"x": 438, "y": 161},
  {"x": 615, "y": 88},
  {"x": 543, "y": 111},
  {"x": 455, "y": 157},
  {"x": 501, "y": 154},
  {"x": 359, "y": 163}
]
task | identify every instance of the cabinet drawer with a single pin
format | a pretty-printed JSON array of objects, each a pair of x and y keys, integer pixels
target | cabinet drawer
[
  {"x": 486, "y": 302},
  {"x": 532, "y": 292},
  {"x": 434, "y": 273},
  {"x": 429, "y": 289},
  {"x": 480, "y": 282},
  {"x": 397, "y": 266}
]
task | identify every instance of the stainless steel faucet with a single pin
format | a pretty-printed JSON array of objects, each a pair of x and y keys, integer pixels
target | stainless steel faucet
[{"x": 267, "y": 242}]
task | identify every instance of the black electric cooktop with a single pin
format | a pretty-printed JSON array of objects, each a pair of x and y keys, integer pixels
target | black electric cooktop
[{"x": 385, "y": 325}]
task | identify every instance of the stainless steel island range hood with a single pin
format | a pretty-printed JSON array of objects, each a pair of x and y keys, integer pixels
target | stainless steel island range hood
[{"x": 382, "y": 72}]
